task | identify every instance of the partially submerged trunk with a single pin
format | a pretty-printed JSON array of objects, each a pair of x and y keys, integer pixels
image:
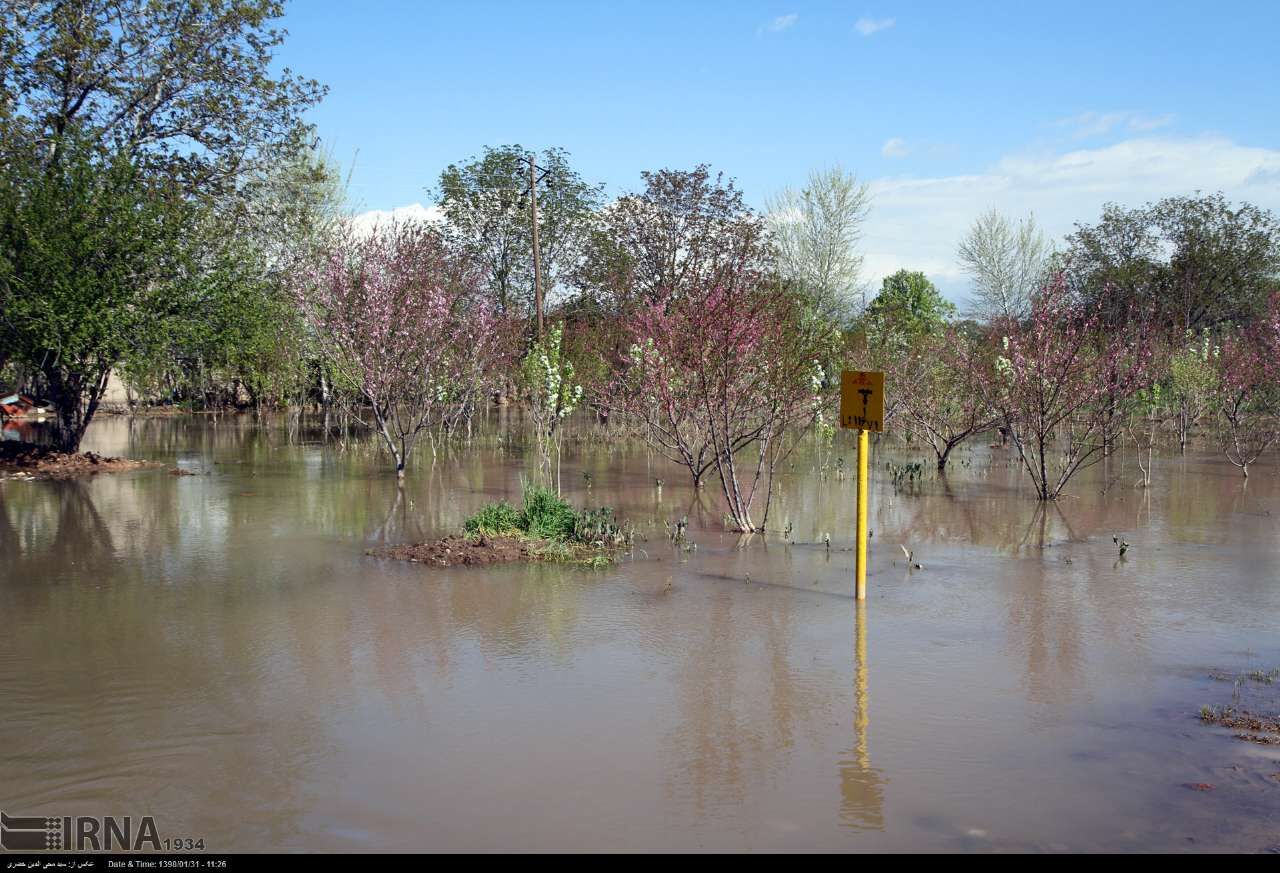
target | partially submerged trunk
[
  {"x": 75, "y": 397},
  {"x": 945, "y": 454}
]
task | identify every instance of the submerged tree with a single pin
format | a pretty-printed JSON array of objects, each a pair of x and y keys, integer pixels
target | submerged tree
[
  {"x": 684, "y": 232},
  {"x": 241, "y": 339},
  {"x": 552, "y": 393},
  {"x": 1145, "y": 415},
  {"x": 126, "y": 126},
  {"x": 400, "y": 324},
  {"x": 722, "y": 369},
  {"x": 1248, "y": 396},
  {"x": 1056, "y": 379},
  {"x": 1191, "y": 381},
  {"x": 941, "y": 391},
  {"x": 94, "y": 267}
]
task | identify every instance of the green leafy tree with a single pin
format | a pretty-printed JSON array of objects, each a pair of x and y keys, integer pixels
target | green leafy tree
[
  {"x": 183, "y": 89},
  {"x": 121, "y": 122},
  {"x": 1192, "y": 380},
  {"x": 246, "y": 341},
  {"x": 236, "y": 337},
  {"x": 908, "y": 308},
  {"x": 1192, "y": 261},
  {"x": 487, "y": 202},
  {"x": 91, "y": 262}
]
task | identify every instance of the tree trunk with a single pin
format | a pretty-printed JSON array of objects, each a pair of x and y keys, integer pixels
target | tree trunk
[{"x": 74, "y": 414}]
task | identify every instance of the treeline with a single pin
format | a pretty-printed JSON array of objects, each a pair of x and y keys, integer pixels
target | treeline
[
  {"x": 167, "y": 215},
  {"x": 717, "y": 333}
]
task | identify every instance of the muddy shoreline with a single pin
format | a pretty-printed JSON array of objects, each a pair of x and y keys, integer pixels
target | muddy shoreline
[{"x": 30, "y": 461}]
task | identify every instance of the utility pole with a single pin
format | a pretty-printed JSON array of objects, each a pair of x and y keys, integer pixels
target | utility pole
[{"x": 537, "y": 255}]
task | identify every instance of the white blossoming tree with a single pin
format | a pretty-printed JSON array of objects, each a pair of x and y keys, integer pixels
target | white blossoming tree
[{"x": 552, "y": 393}]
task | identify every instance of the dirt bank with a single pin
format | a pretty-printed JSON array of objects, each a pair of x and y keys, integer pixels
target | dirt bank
[
  {"x": 456, "y": 551},
  {"x": 28, "y": 461},
  {"x": 483, "y": 549}
]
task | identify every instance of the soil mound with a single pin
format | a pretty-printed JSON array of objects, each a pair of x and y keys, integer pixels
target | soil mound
[
  {"x": 26, "y": 460},
  {"x": 456, "y": 551}
]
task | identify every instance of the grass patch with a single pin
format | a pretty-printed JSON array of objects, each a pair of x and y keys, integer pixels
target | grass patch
[
  {"x": 1254, "y": 710},
  {"x": 546, "y": 516},
  {"x": 494, "y": 519},
  {"x": 558, "y": 532},
  {"x": 574, "y": 553}
]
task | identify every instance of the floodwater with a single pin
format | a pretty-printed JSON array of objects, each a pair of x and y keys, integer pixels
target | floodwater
[{"x": 217, "y": 651}]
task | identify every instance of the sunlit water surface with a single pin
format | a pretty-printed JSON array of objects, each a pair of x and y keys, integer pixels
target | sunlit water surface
[{"x": 219, "y": 652}]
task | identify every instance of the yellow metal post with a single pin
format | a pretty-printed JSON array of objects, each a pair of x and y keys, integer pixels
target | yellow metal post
[
  {"x": 860, "y": 566},
  {"x": 862, "y": 717}
]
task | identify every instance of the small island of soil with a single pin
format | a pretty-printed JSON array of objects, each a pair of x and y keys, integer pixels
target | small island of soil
[
  {"x": 460, "y": 551},
  {"x": 543, "y": 528},
  {"x": 29, "y": 461}
]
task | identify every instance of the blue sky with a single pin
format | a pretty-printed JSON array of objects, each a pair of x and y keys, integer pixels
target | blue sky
[{"x": 945, "y": 108}]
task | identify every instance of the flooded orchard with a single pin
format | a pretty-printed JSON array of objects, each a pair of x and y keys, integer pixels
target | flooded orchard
[{"x": 219, "y": 651}]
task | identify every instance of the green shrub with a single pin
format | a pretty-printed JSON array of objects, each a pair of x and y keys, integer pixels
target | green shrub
[
  {"x": 598, "y": 526},
  {"x": 570, "y": 535},
  {"x": 494, "y": 518},
  {"x": 546, "y": 516}
]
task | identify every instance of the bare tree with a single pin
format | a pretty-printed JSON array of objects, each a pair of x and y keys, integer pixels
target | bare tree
[
  {"x": 1008, "y": 263},
  {"x": 816, "y": 231}
]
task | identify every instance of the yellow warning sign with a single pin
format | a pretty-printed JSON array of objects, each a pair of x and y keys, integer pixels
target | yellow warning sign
[{"x": 862, "y": 400}]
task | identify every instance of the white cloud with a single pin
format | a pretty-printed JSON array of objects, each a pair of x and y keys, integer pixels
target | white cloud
[
  {"x": 782, "y": 22},
  {"x": 365, "y": 222},
  {"x": 894, "y": 148},
  {"x": 1089, "y": 124},
  {"x": 867, "y": 26},
  {"x": 916, "y": 223}
]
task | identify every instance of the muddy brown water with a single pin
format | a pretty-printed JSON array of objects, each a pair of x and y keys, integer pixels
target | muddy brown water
[{"x": 217, "y": 651}]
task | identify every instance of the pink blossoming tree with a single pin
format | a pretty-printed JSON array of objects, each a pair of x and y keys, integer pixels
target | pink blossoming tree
[
  {"x": 719, "y": 373},
  {"x": 1057, "y": 380},
  {"x": 939, "y": 382},
  {"x": 1248, "y": 395},
  {"x": 398, "y": 320}
]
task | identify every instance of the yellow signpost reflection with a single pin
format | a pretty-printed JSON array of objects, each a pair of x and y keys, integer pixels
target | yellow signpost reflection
[{"x": 861, "y": 785}]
